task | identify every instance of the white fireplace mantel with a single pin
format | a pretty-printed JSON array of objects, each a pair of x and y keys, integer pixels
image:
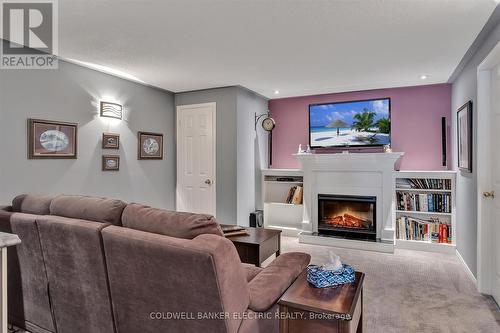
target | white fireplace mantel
[{"x": 365, "y": 174}]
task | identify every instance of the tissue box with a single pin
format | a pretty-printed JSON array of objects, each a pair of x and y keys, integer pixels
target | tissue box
[{"x": 322, "y": 278}]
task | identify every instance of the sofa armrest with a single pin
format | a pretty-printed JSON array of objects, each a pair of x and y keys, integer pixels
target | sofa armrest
[
  {"x": 251, "y": 271},
  {"x": 6, "y": 208},
  {"x": 268, "y": 286}
]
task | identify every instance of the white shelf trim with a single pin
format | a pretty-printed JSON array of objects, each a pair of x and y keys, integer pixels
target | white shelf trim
[
  {"x": 427, "y": 245},
  {"x": 424, "y": 213},
  {"x": 400, "y": 189},
  {"x": 423, "y": 242},
  {"x": 282, "y": 204},
  {"x": 277, "y": 213}
]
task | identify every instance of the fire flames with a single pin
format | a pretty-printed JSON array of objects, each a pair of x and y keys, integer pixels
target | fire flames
[{"x": 348, "y": 221}]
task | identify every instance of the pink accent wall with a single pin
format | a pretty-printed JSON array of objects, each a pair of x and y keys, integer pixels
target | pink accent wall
[{"x": 415, "y": 120}]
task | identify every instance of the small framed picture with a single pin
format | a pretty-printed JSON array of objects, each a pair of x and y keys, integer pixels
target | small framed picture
[
  {"x": 110, "y": 163},
  {"x": 464, "y": 132},
  {"x": 150, "y": 146},
  {"x": 52, "y": 139},
  {"x": 110, "y": 141}
]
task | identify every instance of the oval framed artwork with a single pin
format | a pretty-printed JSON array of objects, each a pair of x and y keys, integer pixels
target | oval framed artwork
[
  {"x": 52, "y": 139},
  {"x": 111, "y": 163}
]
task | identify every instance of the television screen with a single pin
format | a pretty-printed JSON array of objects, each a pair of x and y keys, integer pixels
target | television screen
[{"x": 357, "y": 123}]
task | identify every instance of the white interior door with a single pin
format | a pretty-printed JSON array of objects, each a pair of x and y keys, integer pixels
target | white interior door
[
  {"x": 488, "y": 193},
  {"x": 196, "y": 158},
  {"x": 488, "y": 161}
]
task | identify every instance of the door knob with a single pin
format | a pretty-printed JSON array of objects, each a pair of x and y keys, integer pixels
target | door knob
[
  {"x": 489, "y": 194},
  {"x": 208, "y": 182}
]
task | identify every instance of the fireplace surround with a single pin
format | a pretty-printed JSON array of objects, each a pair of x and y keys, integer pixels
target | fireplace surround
[
  {"x": 353, "y": 174},
  {"x": 347, "y": 216}
]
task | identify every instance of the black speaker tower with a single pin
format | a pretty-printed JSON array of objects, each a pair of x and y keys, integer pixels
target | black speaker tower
[{"x": 443, "y": 139}]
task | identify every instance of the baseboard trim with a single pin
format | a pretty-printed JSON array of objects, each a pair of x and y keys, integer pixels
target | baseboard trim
[
  {"x": 467, "y": 269},
  {"x": 308, "y": 238}
]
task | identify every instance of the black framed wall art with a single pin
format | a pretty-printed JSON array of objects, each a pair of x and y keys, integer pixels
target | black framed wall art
[{"x": 464, "y": 132}]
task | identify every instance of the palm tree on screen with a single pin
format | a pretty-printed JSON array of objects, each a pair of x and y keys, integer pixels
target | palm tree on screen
[
  {"x": 364, "y": 120},
  {"x": 384, "y": 125}
]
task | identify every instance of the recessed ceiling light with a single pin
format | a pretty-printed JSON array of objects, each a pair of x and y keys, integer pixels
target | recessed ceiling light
[
  {"x": 276, "y": 92},
  {"x": 423, "y": 77}
]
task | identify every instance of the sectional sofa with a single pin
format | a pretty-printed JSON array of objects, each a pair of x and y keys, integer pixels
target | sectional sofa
[{"x": 95, "y": 265}]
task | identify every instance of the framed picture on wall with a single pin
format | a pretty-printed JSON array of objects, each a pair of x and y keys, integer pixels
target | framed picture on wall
[
  {"x": 52, "y": 139},
  {"x": 110, "y": 141},
  {"x": 464, "y": 132},
  {"x": 110, "y": 163},
  {"x": 150, "y": 146}
]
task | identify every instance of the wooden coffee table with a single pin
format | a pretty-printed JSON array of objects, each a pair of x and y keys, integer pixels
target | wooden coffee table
[
  {"x": 258, "y": 245},
  {"x": 304, "y": 308}
]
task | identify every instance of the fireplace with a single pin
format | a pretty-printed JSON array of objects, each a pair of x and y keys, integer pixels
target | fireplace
[{"x": 347, "y": 216}]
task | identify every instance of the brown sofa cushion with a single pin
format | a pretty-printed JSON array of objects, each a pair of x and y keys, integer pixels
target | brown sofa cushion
[
  {"x": 169, "y": 223},
  {"x": 267, "y": 321},
  {"x": 76, "y": 270},
  {"x": 152, "y": 273},
  {"x": 268, "y": 286},
  {"x": 95, "y": 209},
  {"x": 251, "y": 271},
  {"x": 32, "y": 204},
  {"x": 29, "y": 304}
]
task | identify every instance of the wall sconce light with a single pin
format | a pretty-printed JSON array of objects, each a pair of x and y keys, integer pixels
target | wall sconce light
[{"x": 111, "y": 110}]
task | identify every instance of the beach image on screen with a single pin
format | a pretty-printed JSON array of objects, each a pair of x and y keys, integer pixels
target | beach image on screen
[{"x": 360, "y": 123}]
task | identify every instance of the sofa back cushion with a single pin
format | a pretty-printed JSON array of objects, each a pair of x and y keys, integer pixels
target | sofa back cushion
[
  {"x": 32, "y": 204},
  {"x": 151, "y": 275},
  {"x": 76, "y": 271},
  {"x": 169, "y": 223},
  {"x": 29, "y": 304},
  {"x": 95, "y": 209}
]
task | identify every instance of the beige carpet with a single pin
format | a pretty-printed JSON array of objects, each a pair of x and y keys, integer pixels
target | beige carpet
[{"x": 413, "y": 291}]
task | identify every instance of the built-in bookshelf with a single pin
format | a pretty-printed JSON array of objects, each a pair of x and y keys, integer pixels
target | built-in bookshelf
[
  {"x": 282, "y": 193},
  {"x": 424, "y": 212}
]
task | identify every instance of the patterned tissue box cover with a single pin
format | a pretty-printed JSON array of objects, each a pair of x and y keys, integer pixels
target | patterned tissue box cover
[{"x": 322, "y": 278}]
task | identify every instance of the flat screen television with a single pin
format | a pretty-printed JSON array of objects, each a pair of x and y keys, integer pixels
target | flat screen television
[{"x": 350, "y": 124}]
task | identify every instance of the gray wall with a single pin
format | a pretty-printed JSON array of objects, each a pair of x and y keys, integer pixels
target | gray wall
[
  {"x": 226, "y": 99},
  {"x": 251, "y": 153},
  {"x": 464, "y": 88},
  {"x": 72, "y": 94},
  {"x": 237, "y": 147}
]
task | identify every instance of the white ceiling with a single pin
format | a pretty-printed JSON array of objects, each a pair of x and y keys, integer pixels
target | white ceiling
[{"x": 297, "y": 47}]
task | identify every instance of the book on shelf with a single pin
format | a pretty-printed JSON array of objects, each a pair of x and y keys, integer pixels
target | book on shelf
[
  {"x": 431, "y": 230},
  {"x": 295, "y": 195},
  {"x": 424, "y": 183},
  {"x": 423, "y": 202}
]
